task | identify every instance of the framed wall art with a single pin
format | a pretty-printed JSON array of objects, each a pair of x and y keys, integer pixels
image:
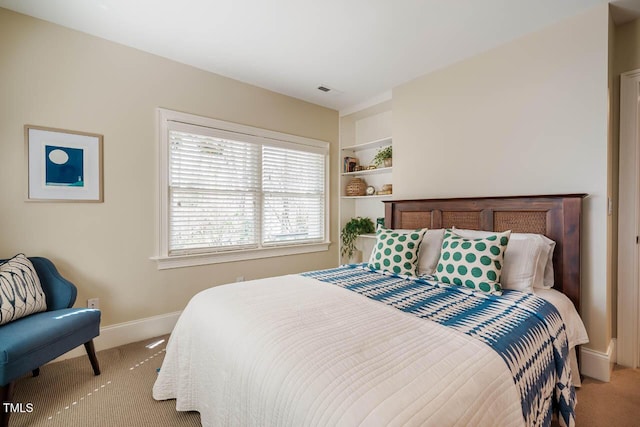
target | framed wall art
[{"x": 63, "y": 165}]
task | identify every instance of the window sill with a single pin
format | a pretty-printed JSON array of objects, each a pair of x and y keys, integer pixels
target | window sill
[{"x": 167, "y": 262}]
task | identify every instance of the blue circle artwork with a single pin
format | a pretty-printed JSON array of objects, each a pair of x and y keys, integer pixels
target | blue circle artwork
[{"x": 64, "y": 166}]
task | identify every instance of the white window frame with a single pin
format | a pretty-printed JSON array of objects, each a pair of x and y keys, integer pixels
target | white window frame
[{"x": 166, "y": 261}]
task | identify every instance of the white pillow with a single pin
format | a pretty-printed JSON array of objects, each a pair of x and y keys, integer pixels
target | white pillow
[
  {"x": 429, "y": 253},
  {"x": 548, "y": 270},
  {"x": 576, "y": 332},
  {"x": 526, "y": 259}
]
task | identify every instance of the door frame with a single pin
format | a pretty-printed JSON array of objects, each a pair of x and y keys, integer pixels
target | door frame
[{"x": 628, "y": 345}]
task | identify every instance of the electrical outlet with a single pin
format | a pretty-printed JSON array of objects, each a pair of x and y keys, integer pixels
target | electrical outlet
[
  {"x": 93, "y": 303},
  {"x": 240, "y": 279}
]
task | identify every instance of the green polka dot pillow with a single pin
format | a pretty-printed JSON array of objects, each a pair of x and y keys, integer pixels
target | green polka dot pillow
[
  {"x": 396, "y": 251},
  {"x": 474, "y": 263}
]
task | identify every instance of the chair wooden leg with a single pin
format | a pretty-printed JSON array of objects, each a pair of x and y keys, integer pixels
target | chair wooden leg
[
  {"x": 36, "y": 372},
  {"x": 91, "y": 352},
  {"x": 6, "y": 395}
]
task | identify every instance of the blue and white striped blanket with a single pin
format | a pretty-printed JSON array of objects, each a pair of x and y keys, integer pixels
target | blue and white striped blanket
[{"x": 525, "y": 330}]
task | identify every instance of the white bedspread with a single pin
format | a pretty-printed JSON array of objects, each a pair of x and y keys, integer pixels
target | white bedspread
[{"x": 293, "y": 351}]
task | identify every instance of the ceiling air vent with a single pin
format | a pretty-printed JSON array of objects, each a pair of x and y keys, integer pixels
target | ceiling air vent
[{"x": 324, "y": 88}]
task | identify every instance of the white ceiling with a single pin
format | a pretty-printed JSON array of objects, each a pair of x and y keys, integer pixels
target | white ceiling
[{"x": 360, "y": 48}]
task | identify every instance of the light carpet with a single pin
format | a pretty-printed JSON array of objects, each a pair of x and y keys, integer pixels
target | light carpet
[{"x": 67, "y": 394}]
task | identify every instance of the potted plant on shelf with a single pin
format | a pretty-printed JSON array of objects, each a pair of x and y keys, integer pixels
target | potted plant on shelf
[
  {"x": 384, "y": 157},
  {"x": 351, "y": 231}
]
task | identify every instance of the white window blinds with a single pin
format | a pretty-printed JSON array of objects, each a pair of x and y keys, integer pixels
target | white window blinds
[
  {"x": 230, "y": 192},
  {"x": 213, "y": 193},
  {"x": 293, "y": 195}
]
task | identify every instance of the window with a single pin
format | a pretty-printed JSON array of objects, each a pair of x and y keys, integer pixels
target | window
[{"x": 231, "y": 192}]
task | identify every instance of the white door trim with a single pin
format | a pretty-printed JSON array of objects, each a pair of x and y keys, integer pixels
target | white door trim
[{"x": 628, "y": 221}]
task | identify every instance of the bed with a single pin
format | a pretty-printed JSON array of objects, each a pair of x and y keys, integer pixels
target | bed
[{"x": 355, "y": 345}]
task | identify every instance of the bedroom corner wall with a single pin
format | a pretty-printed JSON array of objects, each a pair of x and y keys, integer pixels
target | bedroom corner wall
[
  {"x": 529, "y": 117},
  {"x": 626, "y": 58},
  {"x": 56, "y": 77},
  {"x": 627, "y": 47}
]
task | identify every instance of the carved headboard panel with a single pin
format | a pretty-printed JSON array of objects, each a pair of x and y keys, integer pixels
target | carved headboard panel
[{"x": 556, "y": 216}]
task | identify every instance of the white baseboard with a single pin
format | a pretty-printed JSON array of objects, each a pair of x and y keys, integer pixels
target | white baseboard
[
  {"x": 596, "y": 364},
  {"x": 614, "y": 352},
  {"x": 128, "y": 332}
]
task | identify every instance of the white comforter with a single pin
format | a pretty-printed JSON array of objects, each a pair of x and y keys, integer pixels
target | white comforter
[{"x": 293, "y": 351}]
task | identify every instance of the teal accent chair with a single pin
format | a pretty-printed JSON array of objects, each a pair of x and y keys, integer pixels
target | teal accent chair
[{"x": 32, "y": 341}]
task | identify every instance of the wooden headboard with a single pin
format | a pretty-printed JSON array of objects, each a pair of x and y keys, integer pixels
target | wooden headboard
[{"x": 555, "y": 216}]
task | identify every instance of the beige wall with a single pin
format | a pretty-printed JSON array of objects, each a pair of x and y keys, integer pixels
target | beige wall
[
  {"x": 612, "y": 182},
  {"x": 529, "y": 117},
  {"x": 56, "y": 77}
]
